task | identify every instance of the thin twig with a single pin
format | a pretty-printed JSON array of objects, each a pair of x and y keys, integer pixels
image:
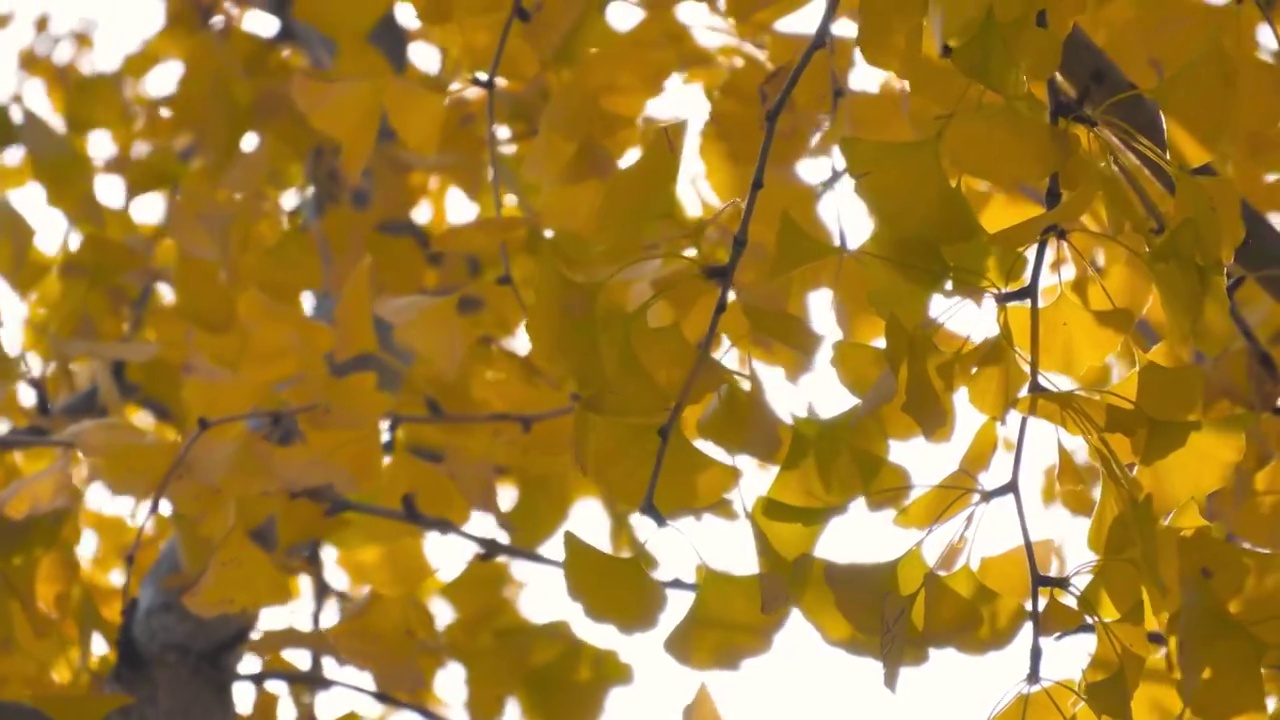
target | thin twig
[
  {"x": 771, "y": 117},
  {"x": 490, "y": 85},
  {"x": 321, "y": 591},
  {"x": 1266, "y": 17},
  {"x": 409, "y": 514},
  {"x": 1013, "y": 486},
  {"x": 10, "y": 441},
  {"x": 526, "y": 421},
  {"x": 321, "y": 682},
  {"x": 202, "y": 426}
]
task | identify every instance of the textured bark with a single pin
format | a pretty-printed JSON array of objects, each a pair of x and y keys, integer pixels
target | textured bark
[
  {"x": 174, "y": 662},
  {"x": 1097, "y": 81}
]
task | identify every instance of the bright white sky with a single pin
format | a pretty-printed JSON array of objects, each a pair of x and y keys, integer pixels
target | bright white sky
[{"x": 802, "y": 676}]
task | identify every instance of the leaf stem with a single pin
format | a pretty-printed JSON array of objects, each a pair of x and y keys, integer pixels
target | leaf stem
[{"x": 821, "y": 35}]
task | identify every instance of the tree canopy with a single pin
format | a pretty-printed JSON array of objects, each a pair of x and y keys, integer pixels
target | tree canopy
[{"x": 371, "y": 270}]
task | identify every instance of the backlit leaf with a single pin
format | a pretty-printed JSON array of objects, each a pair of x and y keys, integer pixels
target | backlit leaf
[
  {"x": 238, "y": 578},
  {"x": 742, "y": 421},
  {"x": 611, "y": 589},
  {"x": 724, "y": 626},
  {"x": 1073, "y": 338},
  {"x": 940, "y": 503},
  {"x": 129, "y": 460},
  {"x": 701, "y": 707}
]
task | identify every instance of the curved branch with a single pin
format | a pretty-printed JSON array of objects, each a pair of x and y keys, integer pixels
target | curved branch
[
  {"x": 725, "y": 273},
  {"x": 320, "y": 682},
  {"x": 409, "y": 514}
]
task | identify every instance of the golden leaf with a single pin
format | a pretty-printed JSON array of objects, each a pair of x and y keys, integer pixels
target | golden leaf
[
  {"x": 614, "y": 590},
  {"x": 724, "y": 626}
]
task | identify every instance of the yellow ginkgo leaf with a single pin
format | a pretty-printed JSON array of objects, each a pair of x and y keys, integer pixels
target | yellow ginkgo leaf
[
  {"x": 1058, "y": 617},
  {"x": 834, "y": 460},
  {"x": 618, "y": 456},
  {"x": 1192, "y": 290},
  {"x": 239, "y": 578},
  {"x": 977, "y": 458},
  {"x": 724, "y": 626},
  {"x": 1033, "y": 149},
  {"x": 1008, "y": 572},
  {"x": 395, "y": 638},
  {"x": 1071, "y": 484},
  {"x": 947, "y": 612},
  {"x": 75, "y": 706},
  {"x": 353, "y": 315},
  {"x": 416, "y": 113},
  {"x": 1073, "y": 338},
  {"x": 997, "y": 377},
  {"x": 742, "y": 421},
  {"x": 702, "y": 706},
  {"x": 924, "y": 388},
  {"x": 1219, "y": 657},
  {"x": 863, "y": 369},
  {"x": 348, "y": 111},
  {"x": 611, "y": 589},
  {"x": 876, "y": 601},
  {"x": 395, "y": 568},
  {"x": 341, "y": 19},
  {"x": 571, "y": 678},
  {"x": 887, "y": 174},
  {"x": 1048, "y": 701},
  {"x": 1171, "y": 393},
  {"x": 129, "y": 460},
  {"x": 941, "y": 502},
  {"x": 50, "y": 488},
  {"x": 891, "y": 32},
  {"x": 1182, "y": 461}
]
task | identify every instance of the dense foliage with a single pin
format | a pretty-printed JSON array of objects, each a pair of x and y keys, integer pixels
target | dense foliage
[{"x": 312, "y": 348}]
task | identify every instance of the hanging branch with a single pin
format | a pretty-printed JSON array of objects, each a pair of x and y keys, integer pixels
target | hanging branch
[
  {"x": 1013, "y": 487},
  {"x": 203, "y": 425},
  {"x": 321, "y": 682},
  {"x": 724, "y": 273},
  {"x": 1031, "y": 294},
  {"x": 409, "y": 514},
  {"x": 490, "y": 84}
]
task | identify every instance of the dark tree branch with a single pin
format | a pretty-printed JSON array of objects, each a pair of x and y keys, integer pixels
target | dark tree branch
[
  {"x": 526, "y": 421},
  {"x": 490, "y": 85},
  {"x": 1102, "y": 89},
  {"x": 321, "y": 682},
  {"x": 821, "y": 35},
  {"x": 1052, "y": 198},
  {"x": 409, "y": 514}
]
